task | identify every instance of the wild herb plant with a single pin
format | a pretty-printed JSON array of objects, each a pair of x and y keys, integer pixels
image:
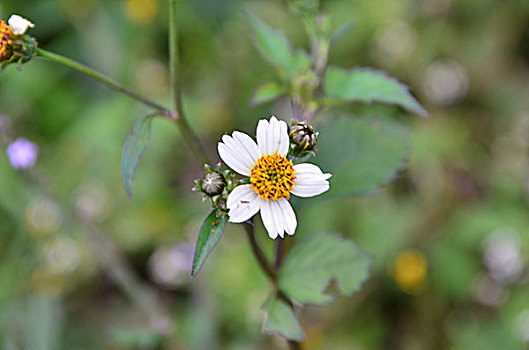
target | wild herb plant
[{"x": 324, "y": 151}]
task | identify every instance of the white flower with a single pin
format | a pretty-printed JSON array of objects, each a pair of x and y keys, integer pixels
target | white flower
[
  {"x": 19, "y": 25},
  {"x": 272, "y": 177}
]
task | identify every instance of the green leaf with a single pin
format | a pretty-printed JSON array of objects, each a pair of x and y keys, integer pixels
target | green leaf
[
  {"x": 368, "y": 85},
  {"x": 306, "y": 7},
  {"x": 267, "y": 92},
  {"x": 317, "y": 261},
  {"x": 281, "y": 319},
  {"x": 362, "y": 155},
  {"x": 133, "y": 150},
  {"x": 275, "y": 48},
  {"x": 210, "y": 233},
  {"x": 341, "y": 31}
]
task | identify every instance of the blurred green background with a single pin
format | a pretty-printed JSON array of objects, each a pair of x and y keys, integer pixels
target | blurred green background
[{"x": 449, "y": 236}]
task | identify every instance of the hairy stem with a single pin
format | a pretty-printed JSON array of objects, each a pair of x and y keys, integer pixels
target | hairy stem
[
  {"x": 270, "y": 272},
  {"x": 101, "y": 78}
]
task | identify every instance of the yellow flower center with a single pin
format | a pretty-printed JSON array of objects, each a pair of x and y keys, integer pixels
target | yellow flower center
[
  {"x": 5, "y": 41},
  {"x": 272, "y": 177}
]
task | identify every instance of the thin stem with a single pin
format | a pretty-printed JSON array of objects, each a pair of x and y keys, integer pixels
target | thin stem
[
  {"x": 101, "y": 78},
  {"x": 174, "y": 58},
  {"x": 259, "y": 254},
  {"x": 176, "y": 82},
  {"x": 270, "y": 272},
  {"x": 279, "y": 253}
]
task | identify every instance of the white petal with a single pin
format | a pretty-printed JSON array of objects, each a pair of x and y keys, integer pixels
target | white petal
[
  {"x": 307, "y": 168},
  {"x": 310, "y": 180},
  {"x": 249, "y": 144},
  {"x": 19, "y": 25},
  {"x": 311, "y": 190},
  {"x": 284, "y": 140},
  {"x": 268, "y": 219},
  {"x": 262, "y": 132},
  {"x": 239, "y": 152},
  {"x": 231, "y": 160},
  {"x": 279, "y": 220},
  {"x": 243, "y": 203},
  {"x": 272, "y": 136},
  {"x": 289, "y": 216}
]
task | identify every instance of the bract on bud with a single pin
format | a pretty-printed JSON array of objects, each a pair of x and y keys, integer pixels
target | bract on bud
[{"x": 303, "y": 136}]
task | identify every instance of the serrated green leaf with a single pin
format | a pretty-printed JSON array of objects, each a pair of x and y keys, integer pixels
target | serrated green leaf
[
  {"x": 210, "y": 233},
  {"x": 133, "y": 150},
  {"x": 368, "y": 85},
  {"x": 319, "y": 260},
  {"x": 281, "y": 319},
  {"x": 267, "y": 92},
  {"x": 362, "y": 155},
  {"x": 275, "y": 48}
]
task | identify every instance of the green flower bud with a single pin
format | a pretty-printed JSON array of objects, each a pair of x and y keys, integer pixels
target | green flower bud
[{"x": 303, "y": 137}]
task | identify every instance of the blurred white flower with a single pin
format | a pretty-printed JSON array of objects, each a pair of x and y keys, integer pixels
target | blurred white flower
[
  {"x": 43, "y": 217},
  {"x": 272, "y": 177},
  {"x": 19, "y": 25},
  {"x": 394, "y": 42},
  {"x": 150, "y": 76},
  {"x": 488, "y": 292},
  {"x": 171, "y": 266},
  {"x": 93, "y": 201},
  {"x": 62, "y": 255},
  {"x": 445, "y": 82},
  {"x": 22, "y": 153},
  {"x": 502, "y": 255}
]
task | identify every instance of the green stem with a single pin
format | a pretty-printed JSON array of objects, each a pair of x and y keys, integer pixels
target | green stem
[
  {"x": 102, "y": 78},
  {"x": 174, "y": 58},
  {"x": 270, "y": 272},
  {"x": 259, "y": 254},
  {"x": 175, "y": 81},
  {"x": 188, "y": 134}
]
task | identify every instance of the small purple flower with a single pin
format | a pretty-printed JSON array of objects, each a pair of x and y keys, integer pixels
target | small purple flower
[{"x": 22, "y": 153}]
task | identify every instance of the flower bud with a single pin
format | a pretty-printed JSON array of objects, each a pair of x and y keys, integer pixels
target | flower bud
[
  {"x": 303, "y": 136},
  {"x": 213, "y": 184}
]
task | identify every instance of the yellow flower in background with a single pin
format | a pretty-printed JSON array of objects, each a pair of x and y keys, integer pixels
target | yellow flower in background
[
  {"x": 409, "y": 270},
  {"x": 141, "y": 11}
]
